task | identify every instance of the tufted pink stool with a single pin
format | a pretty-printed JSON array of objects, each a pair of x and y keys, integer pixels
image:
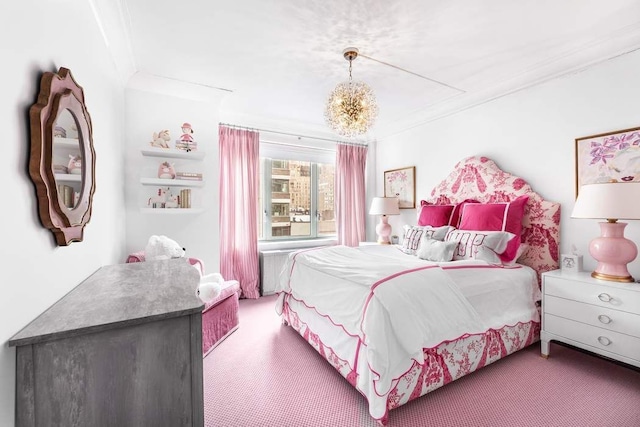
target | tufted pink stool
[{"x": 220, "y": 316}]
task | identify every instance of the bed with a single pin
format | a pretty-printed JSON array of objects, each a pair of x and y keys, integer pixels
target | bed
[{"x": 397, "y": 326}]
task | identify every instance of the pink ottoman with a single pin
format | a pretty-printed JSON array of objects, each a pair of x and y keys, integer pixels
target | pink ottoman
[{"x": 220, "y": 316}]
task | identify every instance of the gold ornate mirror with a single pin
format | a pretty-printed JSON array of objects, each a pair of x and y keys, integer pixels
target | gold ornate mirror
[{"x": 62, "y": 157}]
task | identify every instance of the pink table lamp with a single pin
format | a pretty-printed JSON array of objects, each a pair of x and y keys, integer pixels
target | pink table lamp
[
  {"x": 384, "y": 206},
  {"x": 611, "y": 201}
]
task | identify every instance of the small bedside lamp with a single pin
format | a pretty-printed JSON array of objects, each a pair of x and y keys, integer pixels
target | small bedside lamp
[
  {"x": 610, "y": 201},
  {"x": 384, "y": 206}
]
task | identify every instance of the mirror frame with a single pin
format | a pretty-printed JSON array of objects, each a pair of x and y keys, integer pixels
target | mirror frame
[{"x": 59, "y": 91}]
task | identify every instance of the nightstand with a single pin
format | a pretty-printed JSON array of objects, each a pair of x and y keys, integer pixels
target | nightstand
[{"x": 595, "y": 315}]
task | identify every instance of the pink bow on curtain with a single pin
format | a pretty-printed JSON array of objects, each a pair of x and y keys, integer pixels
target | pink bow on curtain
[
  {"x": 239, "y": 170},
  {"x": 351, "y": 162}
]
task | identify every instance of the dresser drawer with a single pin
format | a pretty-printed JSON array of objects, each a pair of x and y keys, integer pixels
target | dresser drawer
[
  {"x": 615, "y": 297},
  {"x": 602, "y": 317},
  {"x": 603, "y": 339}
]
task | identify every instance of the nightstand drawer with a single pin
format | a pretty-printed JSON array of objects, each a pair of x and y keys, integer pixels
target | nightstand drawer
[
  {"x": 602, "y": 339},
  {"x": 612, "y": 296},
  {"x": 602, "y": 317}
]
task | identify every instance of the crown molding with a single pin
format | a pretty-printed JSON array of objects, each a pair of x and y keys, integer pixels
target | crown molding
[{"x": 153, "y": 83}]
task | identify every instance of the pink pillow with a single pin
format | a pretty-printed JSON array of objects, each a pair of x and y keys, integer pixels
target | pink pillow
[
  {"x": 434, "y": 215},
  {"x": 497, "y": 217},
  {"x": 457, "y": 211}
]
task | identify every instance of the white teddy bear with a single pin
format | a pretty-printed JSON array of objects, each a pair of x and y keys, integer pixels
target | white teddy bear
[{"x": 162, "y": 247}]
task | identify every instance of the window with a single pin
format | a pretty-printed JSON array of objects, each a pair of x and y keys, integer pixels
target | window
[{"x": 296, "y": 198}]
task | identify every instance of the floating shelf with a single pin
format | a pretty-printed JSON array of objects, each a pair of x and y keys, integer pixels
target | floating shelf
[
  {"x": 173, "y": 153},
  {"x": 67, "y": 177},
  {"x": 172, "y": 182},
  {"x": 171, "y": 211},
  {"x": 67, "y": 142}
]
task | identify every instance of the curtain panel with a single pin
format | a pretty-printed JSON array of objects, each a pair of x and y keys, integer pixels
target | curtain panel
[
  {"x": 350, "y": 197},
  {"x": 239, "y": 171}
]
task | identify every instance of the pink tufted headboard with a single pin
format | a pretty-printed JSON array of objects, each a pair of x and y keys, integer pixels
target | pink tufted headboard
[{"x": 479, "y": 178}]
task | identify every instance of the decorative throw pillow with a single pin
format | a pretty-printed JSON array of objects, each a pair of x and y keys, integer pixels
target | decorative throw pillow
[
  {"x": 435, "y": 250},
  {"x": 497, "y": 217},
  {"x": 434, "y": 215},
  {"x": 413, "y": 234},
  {"x": 457, "y": 212},
  {"x": 481, "y": 245}
]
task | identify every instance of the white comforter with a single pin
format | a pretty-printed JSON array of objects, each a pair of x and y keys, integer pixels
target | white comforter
[{"x": 398, "y": 304}]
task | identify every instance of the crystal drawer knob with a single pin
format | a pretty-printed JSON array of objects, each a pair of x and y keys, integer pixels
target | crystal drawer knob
[
  {"x": 604, "y": 340},
  {"x": 604, "y": 319},
  {"x": 605, "y": 297}
]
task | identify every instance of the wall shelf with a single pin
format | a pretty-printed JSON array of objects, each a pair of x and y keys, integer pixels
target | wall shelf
[
  {"x": 172, "y": 182},
  {"x": 67, "y": 177},
  {"x": 184, "y": 185},
  {"x": 67, "y": 142},
  {"x": 173, "y": 153},
  {"x": 171, "y": 211}
]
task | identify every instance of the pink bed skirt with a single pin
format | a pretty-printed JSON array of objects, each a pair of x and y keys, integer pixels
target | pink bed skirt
[
  {"x": 444, "y": 363},
  {"x": 220, "y": 316}
]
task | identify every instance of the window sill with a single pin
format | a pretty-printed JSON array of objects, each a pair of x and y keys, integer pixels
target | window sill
[{"x": 295, "y": 244}]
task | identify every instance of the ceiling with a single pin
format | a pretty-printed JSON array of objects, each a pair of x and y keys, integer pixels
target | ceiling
[{"x": 275, "y": 61}]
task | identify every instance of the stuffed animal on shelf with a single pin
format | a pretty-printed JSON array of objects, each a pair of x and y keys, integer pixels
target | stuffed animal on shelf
[
  {"x": 75, "y": 164},
  {"x": 160, "y": 139},
  {"x": 161, "y": 247},
  {"x": 160, "y": 199},
  {"x": 59, "y": 132},
  {"x": 186, "y": 141},
  {"x": 166, "y": 171},
  {"x": 172, "y": 201}
]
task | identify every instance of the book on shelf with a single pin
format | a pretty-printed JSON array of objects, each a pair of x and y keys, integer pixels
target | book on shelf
[
  {"x": 184, "y": 200},
  {"x": 189, "y": 175},
  {"x": 68, "y": 195}
]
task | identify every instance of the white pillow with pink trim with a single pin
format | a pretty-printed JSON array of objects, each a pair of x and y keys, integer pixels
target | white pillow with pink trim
[
  {"x": 481, "y": 245},
  {"x": 414, "y": 233}
]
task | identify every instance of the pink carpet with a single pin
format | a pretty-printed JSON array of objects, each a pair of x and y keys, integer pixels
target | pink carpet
[{"x": 265, "y": 374}]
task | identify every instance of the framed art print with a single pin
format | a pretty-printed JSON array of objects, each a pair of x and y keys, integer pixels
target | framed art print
[
  {"x": 607, "y": 157},
  {"x": 401, "y": 183}
]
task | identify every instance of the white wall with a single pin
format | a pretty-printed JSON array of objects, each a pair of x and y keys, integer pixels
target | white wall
[
  {"x": 35, "y": 37},
  {"x": 146, "y": 113},
  {"x": 530, "y": 133}
]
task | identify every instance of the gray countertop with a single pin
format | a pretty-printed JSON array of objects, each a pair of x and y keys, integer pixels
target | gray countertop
[{"x": 115, "y": 296}]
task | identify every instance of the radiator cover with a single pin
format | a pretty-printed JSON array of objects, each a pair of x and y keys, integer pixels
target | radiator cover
[{"x": 271, "y": 263}]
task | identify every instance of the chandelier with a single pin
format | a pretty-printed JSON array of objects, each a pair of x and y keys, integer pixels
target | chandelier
[{"x": 351, "y": 108}]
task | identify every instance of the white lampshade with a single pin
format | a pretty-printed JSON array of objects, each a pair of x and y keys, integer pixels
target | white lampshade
[
  {"x": 611, "y": 200},
  {"x": 384, "y": 206}
]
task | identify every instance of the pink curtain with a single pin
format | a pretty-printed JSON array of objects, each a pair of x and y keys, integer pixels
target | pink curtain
[
  {"x": 351, "y": 161},
  {"x": 239, "y": 170}
]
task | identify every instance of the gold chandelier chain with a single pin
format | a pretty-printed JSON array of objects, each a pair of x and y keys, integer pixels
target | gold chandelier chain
[{"x": 350, "y": 61}]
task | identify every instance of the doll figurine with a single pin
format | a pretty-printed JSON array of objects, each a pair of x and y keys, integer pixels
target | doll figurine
[{"x": 186, "y": 141}]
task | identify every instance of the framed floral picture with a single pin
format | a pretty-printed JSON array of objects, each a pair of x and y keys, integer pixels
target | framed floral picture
[
  {"x": 401, "y": 183},
  {"x": 608, "y": 156}
]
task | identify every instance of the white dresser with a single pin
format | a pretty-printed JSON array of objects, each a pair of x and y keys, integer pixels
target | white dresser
[{"x": 596, "y": 315}]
